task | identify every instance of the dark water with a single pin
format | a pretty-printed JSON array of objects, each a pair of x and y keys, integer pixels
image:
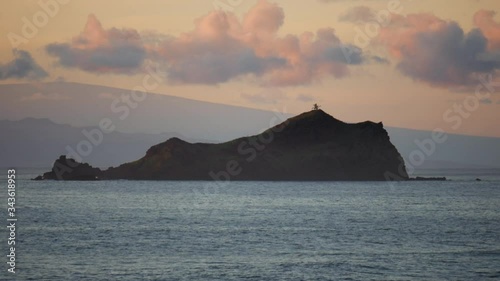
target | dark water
[{"x": 124, "y": 230}]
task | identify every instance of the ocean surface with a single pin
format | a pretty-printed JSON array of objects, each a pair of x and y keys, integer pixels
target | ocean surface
[{"x": 164, "y": 230}]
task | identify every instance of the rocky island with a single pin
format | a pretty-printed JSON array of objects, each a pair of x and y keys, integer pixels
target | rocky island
[{"x": 312, "y": 146}]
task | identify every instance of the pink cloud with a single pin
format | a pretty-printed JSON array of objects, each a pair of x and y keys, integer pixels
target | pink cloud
[
  {"x": 435, "y": 51},
  {"x": 214, "y": 52},
  {"x": 264, "y": 18},
  {"x": 484, "y": 20},
  {"x": 99, "y": 50},
  {"x": 310, "y": 57},
  {"x": 220, "y": 48}
]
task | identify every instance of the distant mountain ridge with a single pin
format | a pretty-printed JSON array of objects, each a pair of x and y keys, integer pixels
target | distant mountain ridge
[
  {"x": 83, "y": 105},
  {"x": 33, "y": 142},
  {"x": 312, "y": 146}
]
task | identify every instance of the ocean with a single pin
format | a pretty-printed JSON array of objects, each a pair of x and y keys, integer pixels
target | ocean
[{"x": 166, "y": 230}]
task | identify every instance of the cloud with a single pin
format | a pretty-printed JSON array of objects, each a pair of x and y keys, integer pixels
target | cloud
[
  {"x": 22, "y": 66},
  {"x": 483, "y": 19},
  {"x": 213, "y": 52},
  {"x": 101, "y": 51},
  {"x": 220, "y": 48},
  {"x": 311, "y": 57},
  {"x": 358, "y": 14},
  {"x": 437, "y": 52}
]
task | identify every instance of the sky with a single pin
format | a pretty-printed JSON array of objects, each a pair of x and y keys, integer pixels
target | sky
[{"x": 418, "y": 64}]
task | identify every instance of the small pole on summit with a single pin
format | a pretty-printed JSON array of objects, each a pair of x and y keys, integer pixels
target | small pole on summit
[{"x": 316, "y": 106}]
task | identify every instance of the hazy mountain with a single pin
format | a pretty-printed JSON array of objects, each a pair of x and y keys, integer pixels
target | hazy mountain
[
  {"x": 457, "y": 152},
  {"x": 86, "y": 105},
  {"x": 34, "y": 143}
]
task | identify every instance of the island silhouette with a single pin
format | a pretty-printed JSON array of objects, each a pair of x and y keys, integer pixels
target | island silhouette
[{"x": 312, "y": 146}]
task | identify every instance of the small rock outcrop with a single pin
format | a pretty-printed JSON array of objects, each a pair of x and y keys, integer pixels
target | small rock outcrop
[{"x": 68, "y": 169}]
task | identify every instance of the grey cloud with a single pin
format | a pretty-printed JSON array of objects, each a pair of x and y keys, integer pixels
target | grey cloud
[
  {"x": 448, "y": 56},
  {"x": 101, "y": 50},
  {"x": 217, "y": 67},
  {"x": 22, "y": 66},
  {"x": 120, "y": 59}
]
